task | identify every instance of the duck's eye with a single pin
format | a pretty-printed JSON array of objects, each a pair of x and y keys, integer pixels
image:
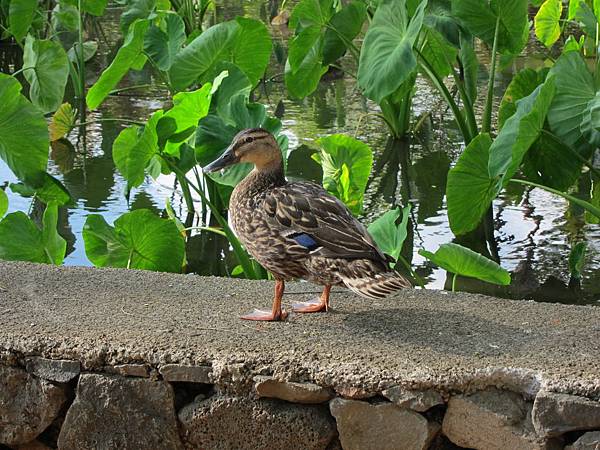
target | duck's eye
[{"x": 249, "y": 139}]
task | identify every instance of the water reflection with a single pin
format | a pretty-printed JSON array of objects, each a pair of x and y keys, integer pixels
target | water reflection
[{"x": 533, "y": 229}]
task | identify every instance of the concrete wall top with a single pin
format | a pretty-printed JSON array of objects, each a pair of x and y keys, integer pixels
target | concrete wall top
[{"x": 417, "y": 339}]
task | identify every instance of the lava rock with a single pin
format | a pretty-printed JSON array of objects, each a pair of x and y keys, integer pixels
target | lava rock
[
  {"x": 61, "y": 371},
  {"x": 28, "y": 405},
  {"x": 189, "y": 374},
  {"x": 491, "y": 419},
  {"x": 117, "y": 412},
  {"x": 554, "y": 414},
  {"x": 223, "y": 422},
  {"x": 291, "y": 391},
  {"x": 365, "y": 426}
]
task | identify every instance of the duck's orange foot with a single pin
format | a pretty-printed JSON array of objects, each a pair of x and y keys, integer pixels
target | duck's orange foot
[
  {"x": 259, "y": 314},
  {"x": 310, "y": 307}
]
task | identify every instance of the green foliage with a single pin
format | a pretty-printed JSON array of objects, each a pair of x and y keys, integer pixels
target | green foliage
[
  {"x": 547, "y": 22},
  {"x": 22, "y": 240},
  {"x": 23, "y": 134},
  {"x": 346, "y": 164},
  {"x": 388, "y": 233},
  {"x": 463, "y": 261},
  {"x": 62, "y": 122},
  {"x": 46, "y": 71},
  {"x": 387, "y": 58},
  {"x": 126, "y": 57},
  {"x": 522, "y": 85},
  {"x": 470, "y": 190},
  {"x": 577, "y": 259},
  {"x": 3, "y": 202},
  {"x": 245, "y": 42},
  {"x": 162, "y": 43},
  {"x": 322, "y": 36},
  {"x": 20, "y": 17},
  {"x": 138, "y": 240},
  {"x": 480, "y": 17}
]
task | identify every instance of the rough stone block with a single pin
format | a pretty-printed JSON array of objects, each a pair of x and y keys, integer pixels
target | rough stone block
[
  {"x": 27, "y": 405},
  {"x": 554, "y": 414},
  {"x": 33, "y": 445},
  {"x": 491, "y": 419},
  {"x": 364, "y": 426},
  {"x": 589, "y": 441},
  {"x": 290, "y": 391},
  {"x": 222, "y": 422},
  {"x": 190, "y": 374},
  {"x": 61, "y": 371},
  {"x": 131, "y": 370},
  {"x": 413, "y": 399},
  {"x": 111, "y": 412}
]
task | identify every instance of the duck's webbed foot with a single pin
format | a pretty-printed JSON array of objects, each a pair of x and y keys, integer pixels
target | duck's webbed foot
[
  {"x": 261, "y": 314},
  {"x": 320, "y": 305},
  {"x": 276, "y": 312}
]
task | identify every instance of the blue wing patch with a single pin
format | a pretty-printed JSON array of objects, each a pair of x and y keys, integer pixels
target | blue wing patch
[{"x": 305, "y": 240}]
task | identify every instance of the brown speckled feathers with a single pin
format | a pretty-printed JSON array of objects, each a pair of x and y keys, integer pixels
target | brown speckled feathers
[{"x": 298, "y": 230}]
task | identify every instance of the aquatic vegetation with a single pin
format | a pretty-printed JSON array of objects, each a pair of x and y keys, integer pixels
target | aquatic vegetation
[{"x": 546, "y": 136}]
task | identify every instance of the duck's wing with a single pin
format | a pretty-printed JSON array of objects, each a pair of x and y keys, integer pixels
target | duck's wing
[{"x": 319, "y": 222}]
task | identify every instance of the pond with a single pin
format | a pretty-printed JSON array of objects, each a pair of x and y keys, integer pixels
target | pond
[{"x": 533, "y": 229}]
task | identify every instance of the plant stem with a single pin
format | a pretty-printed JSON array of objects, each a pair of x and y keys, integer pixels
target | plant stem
[
  {"x": 585, "y": 205},
  {"x": 441, "y": 87},
  {"x": 454, "y": 283},
  {"x": 80, "y": 58},
  {"x": 130, "y": 88},
  {"x": 487, "y": 114},
  {"x": 212, "y": 229}
]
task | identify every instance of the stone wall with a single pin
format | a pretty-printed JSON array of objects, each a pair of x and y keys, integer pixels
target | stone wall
[
  {"x": 124, "y": 359},
  {"x": 47, "y": 403}
]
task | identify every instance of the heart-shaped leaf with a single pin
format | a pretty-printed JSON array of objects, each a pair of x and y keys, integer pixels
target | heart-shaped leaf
[
  {"x": 47, "y": 71},
  {"x": 463, "y": 261},
  {"x": 20, "y": 17},
  {"x": 389, "y": 235},
  {"x": 547, "y": 22},
  {"x": 22, "y": 240},
  {"x": 387, "y": 58},
  {"x": 62, "y": 122},
  {"x": 162, "y": 45},
  {"x": 138, "y": 240}
]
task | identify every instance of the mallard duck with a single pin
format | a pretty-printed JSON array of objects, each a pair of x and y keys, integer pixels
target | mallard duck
[{"x": 296, "y": 230}]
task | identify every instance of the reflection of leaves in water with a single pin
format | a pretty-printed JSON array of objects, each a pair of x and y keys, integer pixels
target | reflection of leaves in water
[
  {"x": 63, "y": 154},
  {"x": 209, "y": 254},
  {"x": 431, "y": 171}
]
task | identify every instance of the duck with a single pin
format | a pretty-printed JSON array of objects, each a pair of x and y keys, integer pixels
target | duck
[{"x": 297, "y": 230}]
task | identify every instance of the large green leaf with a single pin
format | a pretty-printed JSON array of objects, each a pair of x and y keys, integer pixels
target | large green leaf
[
  {"x": 463, "y": 261},
  {"x": 24, "y": 139},
  {"x": 438, "y": 53},
  {"x": 94, "y": 7},
  {"x": 574, "y": 90},
  {"x": 480, "y": 16},
  {"x": 3, "y": 202},
  {"x": 470, "y": 190},
  {"x": 520, "y": 131},
  {"x": 133, "y": 148},
  {"x": 162, "y": 45},
  {"x": 346, "y": 164},
  {"x": 22, "y": 240},
  {"x": 389, "y": 234},
  {"x": 47, "y": 73},
  {"x": 548, "y": 162},
  {"x": 245, "y": 42},
  {"x": 547, "y": 22},
  {"x": 20, "y": 17},
  {"x": 138, "y": 240},
  {"x": 303, "y": 78},
  {"x": 522, "y": 85},
  {"x": 470, "y": 64},
  {"x": 387, "y": 58},
  {"x": 136, "y": 10},
  {"x": 343, "y": 27},
  {"x": 125, "y": 58},
  {"x": 252, "y": 48},
  {"x": 590, "y": 124},
  {"x": 198, "y": 60}
]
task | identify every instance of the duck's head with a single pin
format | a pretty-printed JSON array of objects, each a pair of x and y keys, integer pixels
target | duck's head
[{"x": 253, "y": 145}]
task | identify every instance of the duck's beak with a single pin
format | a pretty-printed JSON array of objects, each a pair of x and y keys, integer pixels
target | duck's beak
[{"x": 228, "y": 158}]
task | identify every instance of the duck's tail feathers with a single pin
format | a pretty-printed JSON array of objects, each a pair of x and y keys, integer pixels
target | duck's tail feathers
[{"x": 378, "y": 286}]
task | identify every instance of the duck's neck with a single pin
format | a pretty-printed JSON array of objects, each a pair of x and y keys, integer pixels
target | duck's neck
[{"x": 261, "y": 179}]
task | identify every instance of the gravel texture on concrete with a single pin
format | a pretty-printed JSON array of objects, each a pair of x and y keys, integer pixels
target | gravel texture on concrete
[{"x": 417, "y": 339}]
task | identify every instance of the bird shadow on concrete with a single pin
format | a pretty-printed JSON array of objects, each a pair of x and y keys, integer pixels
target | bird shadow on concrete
[{"x": 448, "y": 332}]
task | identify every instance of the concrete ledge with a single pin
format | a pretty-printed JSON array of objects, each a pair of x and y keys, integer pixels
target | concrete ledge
[{"x": 184, "y": 331}]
